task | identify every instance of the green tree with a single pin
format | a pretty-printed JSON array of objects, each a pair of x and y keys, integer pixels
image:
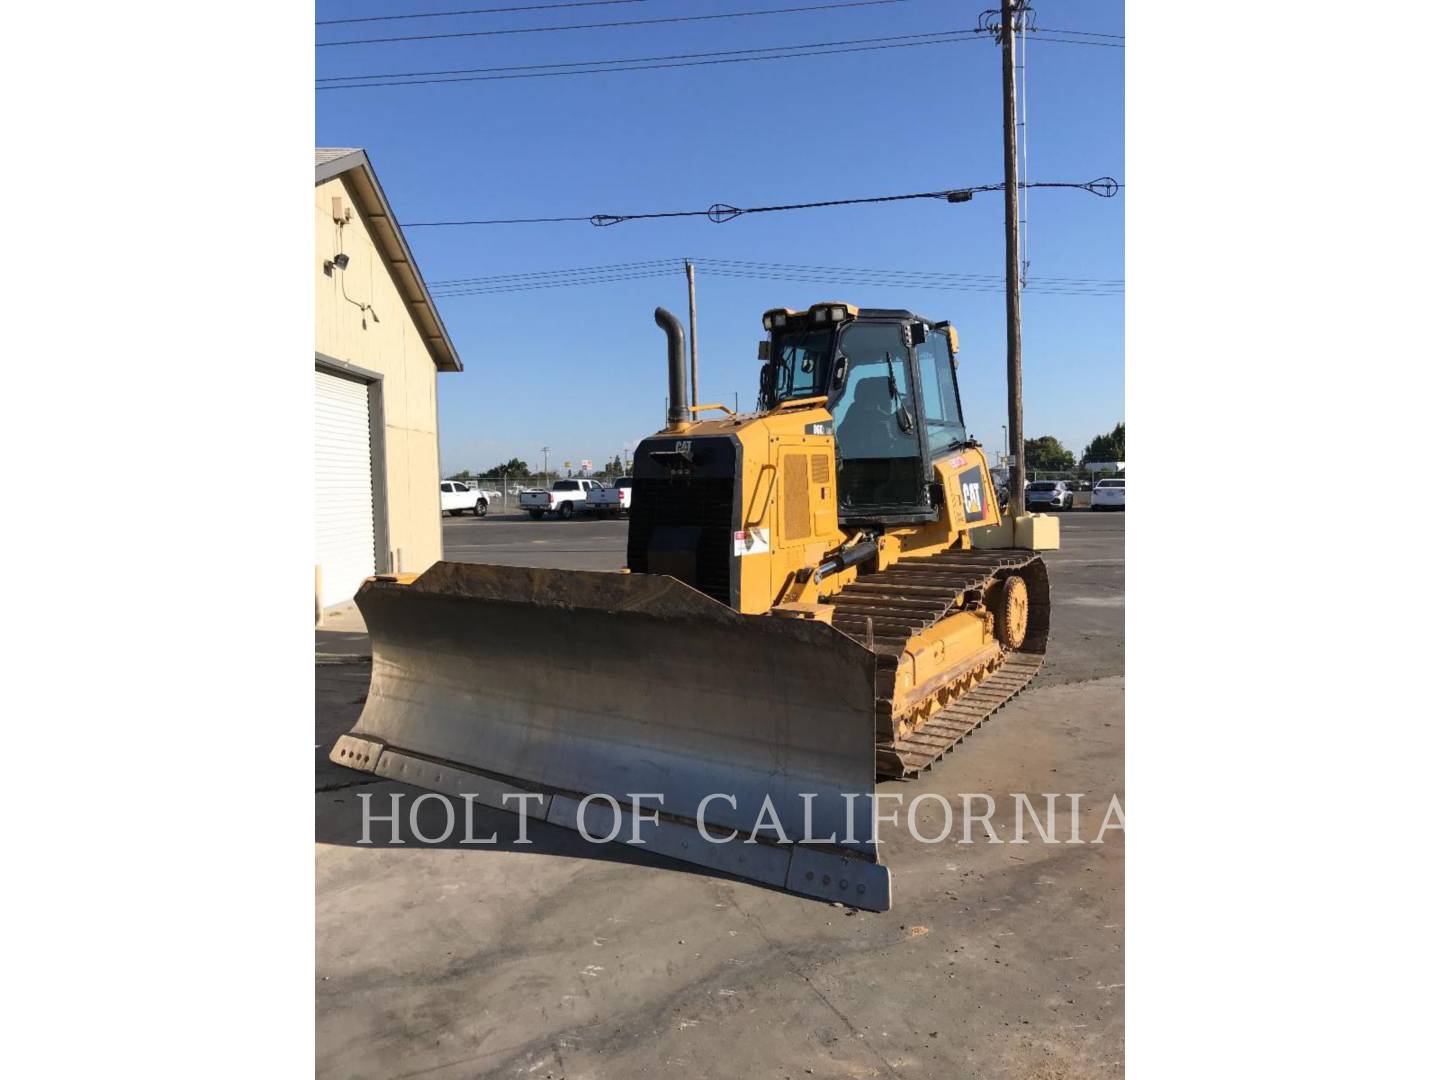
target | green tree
[
  {"x": 1109, "y": 447},
  {"x": 513, "y": 467},
  {"x": 463, "y": 474},
  {"x": 1045, "y": 454}
]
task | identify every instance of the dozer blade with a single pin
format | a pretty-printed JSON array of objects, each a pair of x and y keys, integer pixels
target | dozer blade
[{"x": 491, "y": 680}]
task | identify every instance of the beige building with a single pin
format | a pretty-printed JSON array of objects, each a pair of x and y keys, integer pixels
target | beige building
[{"x": 379, "y": 343}]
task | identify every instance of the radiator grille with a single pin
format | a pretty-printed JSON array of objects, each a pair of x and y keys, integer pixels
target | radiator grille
[
  {"x": 819, "y": 468},
  {"x": 706, "y": 504},
  {"x": 795, "y": 498}
]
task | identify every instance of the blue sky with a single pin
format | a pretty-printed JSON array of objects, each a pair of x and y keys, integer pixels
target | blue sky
[{"x": 581, "y": 369}]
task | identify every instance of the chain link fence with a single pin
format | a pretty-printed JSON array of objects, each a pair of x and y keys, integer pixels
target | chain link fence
[
  {"x": 1082, "y": 478},
  {"x": 509, "y": 487}
]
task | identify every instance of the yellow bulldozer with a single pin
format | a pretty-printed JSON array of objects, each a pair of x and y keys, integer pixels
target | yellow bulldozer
[{"x": 817, "y": 594}]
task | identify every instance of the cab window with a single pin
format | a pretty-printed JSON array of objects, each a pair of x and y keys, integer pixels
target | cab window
[
  {"x": 876, "y": 442},
  {"x": 940, "y": 398},
  {"x": 799, "y": 365}
]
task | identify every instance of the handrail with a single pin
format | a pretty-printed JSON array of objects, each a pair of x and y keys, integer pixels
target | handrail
[{"x": 794, "y": 403}]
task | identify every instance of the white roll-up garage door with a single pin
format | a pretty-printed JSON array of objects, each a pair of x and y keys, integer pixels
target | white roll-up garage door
[{"x": 344, "y": 501}]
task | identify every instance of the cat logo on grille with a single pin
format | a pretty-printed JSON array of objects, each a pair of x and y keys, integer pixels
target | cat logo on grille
[
  {"x": 971, "y": 487},
  {"x": 970, "y": 495}
]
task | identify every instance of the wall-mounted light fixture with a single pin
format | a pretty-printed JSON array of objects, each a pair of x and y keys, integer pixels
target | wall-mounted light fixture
[{"x": 340, "y": 262}]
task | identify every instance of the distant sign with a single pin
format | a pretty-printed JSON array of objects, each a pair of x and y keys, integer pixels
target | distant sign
[
  {"x": 585, "y": 464},
  {"x": 567, "y": 464}
]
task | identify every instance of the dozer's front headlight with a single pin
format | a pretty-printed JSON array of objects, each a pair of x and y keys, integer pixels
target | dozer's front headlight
[{"x": 829, "y": 312}]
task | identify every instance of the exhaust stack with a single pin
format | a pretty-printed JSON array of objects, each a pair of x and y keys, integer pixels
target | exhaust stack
[{"x": 678, "y": 416}]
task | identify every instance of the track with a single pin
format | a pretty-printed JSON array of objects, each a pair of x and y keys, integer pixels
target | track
[{"x": 884, "y": 611}]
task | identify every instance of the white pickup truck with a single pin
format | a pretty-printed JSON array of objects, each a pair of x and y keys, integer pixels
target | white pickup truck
[
  {"x": 609, "y": 501},
  {"x": 563, "y": 499},
  {"x": 456, "y": 498}
]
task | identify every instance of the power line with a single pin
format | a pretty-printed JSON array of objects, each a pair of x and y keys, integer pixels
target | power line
[
  {"x": 610, "y": 25},
  {"x": 905, "y": 278},
  {"x": 1105, "y": 187},
  {"x": 475, "y": 11},
  {"x": 825, "y": 281},
  {"x": 991, "y": 22},
  {"x": 1077, "y": 33},
  {"x": 746, "y": 269},
  {"x": 378, "y": 80},
  {"x": 579, "y": 274},
  {"x": 1050, "y": 38},
  {"x": 665, "y": 266},
  {"x": 722, "y": 212},
  {"x": 555, "y": 273},
  {"x": 506, "y": 221},
  {"x": 653, "y": 67},
  {"x": 861, "y": 281},
  {"x": 741, "y": 263},
  {"x": 958, "y": 35},
  {"x": 559, "y": 283}
]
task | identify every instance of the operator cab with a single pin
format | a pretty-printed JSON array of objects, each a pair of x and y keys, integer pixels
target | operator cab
[{"x": 888, "y": 379}]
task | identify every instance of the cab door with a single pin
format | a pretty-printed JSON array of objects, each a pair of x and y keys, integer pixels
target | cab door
[{"x": 879, "y": 467}]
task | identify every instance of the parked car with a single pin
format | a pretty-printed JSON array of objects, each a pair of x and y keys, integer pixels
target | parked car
[
  {"x": 1049, "y": 495},
  {"x": 456, "y": 497},
  {"x": 562, "y": 500},
  {"x": 1109, "y": 495},
  {"x": 609, "y": 501}
]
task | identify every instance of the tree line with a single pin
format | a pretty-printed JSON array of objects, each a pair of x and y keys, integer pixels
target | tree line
[
  {"x": 516, "y": 469},
  {"x": 1048, "y": 454},
  {"x": 1044, "y": 454}
]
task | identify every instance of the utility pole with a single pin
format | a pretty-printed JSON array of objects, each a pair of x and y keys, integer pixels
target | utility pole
[
  {"x": 545, "y": 473},
  {"x": 1010, "y": 11},
  {"x": 694, "y": 358}
]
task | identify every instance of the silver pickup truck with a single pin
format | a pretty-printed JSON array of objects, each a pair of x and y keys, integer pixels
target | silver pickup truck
[
  {"x": 609, "y": 501},
  {"x": 563, "y": 499}
]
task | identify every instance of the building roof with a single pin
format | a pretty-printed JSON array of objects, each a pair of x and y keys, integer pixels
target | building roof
[
  {"x": 354, "y": 164},
  {"x": 326, "y": 154}
]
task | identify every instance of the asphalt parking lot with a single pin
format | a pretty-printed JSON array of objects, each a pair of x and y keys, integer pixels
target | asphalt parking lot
[
  {"x": 582, "y": 543},
  {"x": 563, "y": 959}
]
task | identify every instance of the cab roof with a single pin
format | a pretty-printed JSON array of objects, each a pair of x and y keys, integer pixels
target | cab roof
[{"x": 892, "y": 313}]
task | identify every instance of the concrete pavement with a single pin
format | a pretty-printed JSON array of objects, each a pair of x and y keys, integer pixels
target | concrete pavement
[{"x": 564, "y": 959}]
